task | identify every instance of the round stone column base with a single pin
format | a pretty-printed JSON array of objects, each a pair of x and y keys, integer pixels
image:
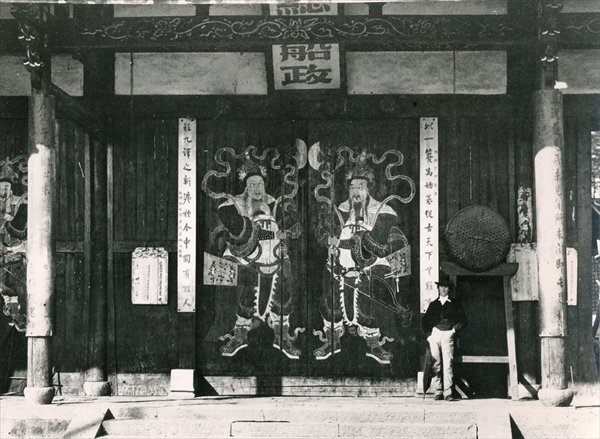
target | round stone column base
[
  {"x": 555, "y": 397},
  {"x": 96, "y": 388},
  {"x": 39, "y": 395}
]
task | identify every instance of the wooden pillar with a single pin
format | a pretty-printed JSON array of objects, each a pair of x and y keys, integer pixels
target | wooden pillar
[
  {"x": 550, "y": 220},
  {"x": 40, "y": 246},
  {"x": 98, "y": 80},
  {"x": 96, "y": 382}
]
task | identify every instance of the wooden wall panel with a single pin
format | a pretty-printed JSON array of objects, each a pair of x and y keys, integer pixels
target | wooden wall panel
[
  {"x": 71, "y": 311},
  {"x": 143, "y": 333},
  {"x": 13, "y": 137},
  {"x": 145, "y": 180}
]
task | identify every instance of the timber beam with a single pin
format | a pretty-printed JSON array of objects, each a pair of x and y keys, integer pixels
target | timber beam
[{"x": 488, "y": 32}]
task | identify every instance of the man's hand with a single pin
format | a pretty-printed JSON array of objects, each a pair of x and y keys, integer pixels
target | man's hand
[{"x": 332, "y": 241}]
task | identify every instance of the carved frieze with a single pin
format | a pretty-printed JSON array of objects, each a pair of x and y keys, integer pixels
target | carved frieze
[{"x": 429, "y": 30}]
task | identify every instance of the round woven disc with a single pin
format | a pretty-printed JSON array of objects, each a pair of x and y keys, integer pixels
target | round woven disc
[{"x": 478, "y": 238}]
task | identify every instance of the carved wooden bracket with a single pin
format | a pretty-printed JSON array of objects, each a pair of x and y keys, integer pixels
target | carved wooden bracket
[
  {"x": 549, "y": 29},
  {"x": 32, "y": 35}
]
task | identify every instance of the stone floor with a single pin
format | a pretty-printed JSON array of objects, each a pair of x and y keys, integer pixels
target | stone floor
[{"x": 296, "y": 417}]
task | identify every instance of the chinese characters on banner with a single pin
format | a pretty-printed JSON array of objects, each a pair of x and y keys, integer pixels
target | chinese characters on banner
[
  {"x": 149, "y": 269},
  {"x": 304, "y": 9},
  {"x": 186, "y": 228},
  {"x": 306, "y": 66},
  {"x": 428, "y": 210}
]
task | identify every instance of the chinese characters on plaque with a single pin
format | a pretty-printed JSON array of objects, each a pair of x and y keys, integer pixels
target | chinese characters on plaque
[
  {"x": 149, "y": 270},
  {"x": 303, "y": 9},
  {"x": 306, "y": 66},
  {"x": 428, "y": 210},
  {"x": 186, "y": 227},
  {"x": 219, "y": 271}
]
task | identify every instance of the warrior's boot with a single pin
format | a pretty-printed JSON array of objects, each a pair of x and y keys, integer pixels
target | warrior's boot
[
  {"x": 239, "y": 339},
  {"x": 283, "y": 340},
  {"x": 331, "y": 340},
  {"x": 374, "y": 346}
]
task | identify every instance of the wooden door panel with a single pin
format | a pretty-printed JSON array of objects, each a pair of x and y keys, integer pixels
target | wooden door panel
[
  {"x": 238, "y": 328},
  {"x": 388, "y": 312}
]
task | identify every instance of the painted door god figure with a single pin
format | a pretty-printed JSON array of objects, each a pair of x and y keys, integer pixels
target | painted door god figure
[
  {"x": 360, "y": 287},
  {"x": 252, "y": 225}
]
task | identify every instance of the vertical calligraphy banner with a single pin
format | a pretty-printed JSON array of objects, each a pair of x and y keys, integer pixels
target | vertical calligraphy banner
[
  {"x": 186, "y": 227},
  {"x": 428, "y": 210}
]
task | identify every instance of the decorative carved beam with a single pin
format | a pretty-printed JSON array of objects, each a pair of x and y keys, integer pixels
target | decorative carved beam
[
  {"x": 403, "y": 32},
  {"x": 579, "y": 30},
  {"x": 356, "y": 32}
]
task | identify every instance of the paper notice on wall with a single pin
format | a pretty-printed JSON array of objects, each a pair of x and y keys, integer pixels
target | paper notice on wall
[
  {"x": 219, "y": 271},
  {"x": 571, "y": 276},
  {"x": 149, "y": 281},
  {"x": 428, "y": 210},
  {"x": 186, "y": 224}
]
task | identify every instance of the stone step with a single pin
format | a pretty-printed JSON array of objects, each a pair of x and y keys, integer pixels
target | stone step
[
  {"x": 180, "y": 428},
  {"x": 298, "y": 413},
  {"x": 33, "y": 428}
]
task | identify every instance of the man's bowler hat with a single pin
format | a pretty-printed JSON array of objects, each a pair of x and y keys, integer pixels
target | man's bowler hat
[{"x": 443, "y": 283}]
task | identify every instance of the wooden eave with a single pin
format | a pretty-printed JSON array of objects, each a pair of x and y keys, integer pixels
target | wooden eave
[{"x": 248, "y": 33}]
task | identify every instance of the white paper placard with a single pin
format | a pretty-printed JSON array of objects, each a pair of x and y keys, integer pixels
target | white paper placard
[
  {"x": 219, "y": 271},
  {"x": 428, "y": 210},
  {"x": 571, "y": 276},
  {"x": 305, "y": 8},
  {"x": 186, "y": 225},
  {"x": 149, "y": 276},
  {"x": 306, "y": 66}
]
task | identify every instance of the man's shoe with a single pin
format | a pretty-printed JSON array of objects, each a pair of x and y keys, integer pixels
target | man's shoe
[
  {"x": 450, "y": 398},
  {"x": 438, "y": 397}
]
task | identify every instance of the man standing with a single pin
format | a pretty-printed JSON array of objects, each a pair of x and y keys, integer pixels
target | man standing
[
  {"x": 444, "y": 317},
  {"x": 357, "y": 283}
]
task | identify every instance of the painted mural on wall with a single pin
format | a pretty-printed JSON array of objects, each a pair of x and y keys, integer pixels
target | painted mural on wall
[
  {"x": 367, "y": 251},
  {"x": 255, "y": 228},
  {"x": 13, "y": 235}
]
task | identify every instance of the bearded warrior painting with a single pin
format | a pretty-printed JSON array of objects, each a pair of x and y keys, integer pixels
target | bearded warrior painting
[{"x": 367, "y": 253}]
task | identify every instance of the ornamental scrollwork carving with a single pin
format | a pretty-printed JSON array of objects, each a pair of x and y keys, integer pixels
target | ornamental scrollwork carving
[
  {"x": 298, "y": 29},
  {"x": 580, "y": 27}
]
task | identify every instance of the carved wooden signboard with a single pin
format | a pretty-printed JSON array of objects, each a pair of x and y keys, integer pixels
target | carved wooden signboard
[
  {"x": 149, "y": 270},
  {"x": 186, "y": 226},
  {"x": 306, "y": 66},
  {"x": 524, "y": 284},
  {"x": 428, "y": 208},
  {"x": 308, "y": 8}
]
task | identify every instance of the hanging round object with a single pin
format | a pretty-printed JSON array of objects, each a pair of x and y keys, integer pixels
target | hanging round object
[{"x": 478, "y": 238}]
